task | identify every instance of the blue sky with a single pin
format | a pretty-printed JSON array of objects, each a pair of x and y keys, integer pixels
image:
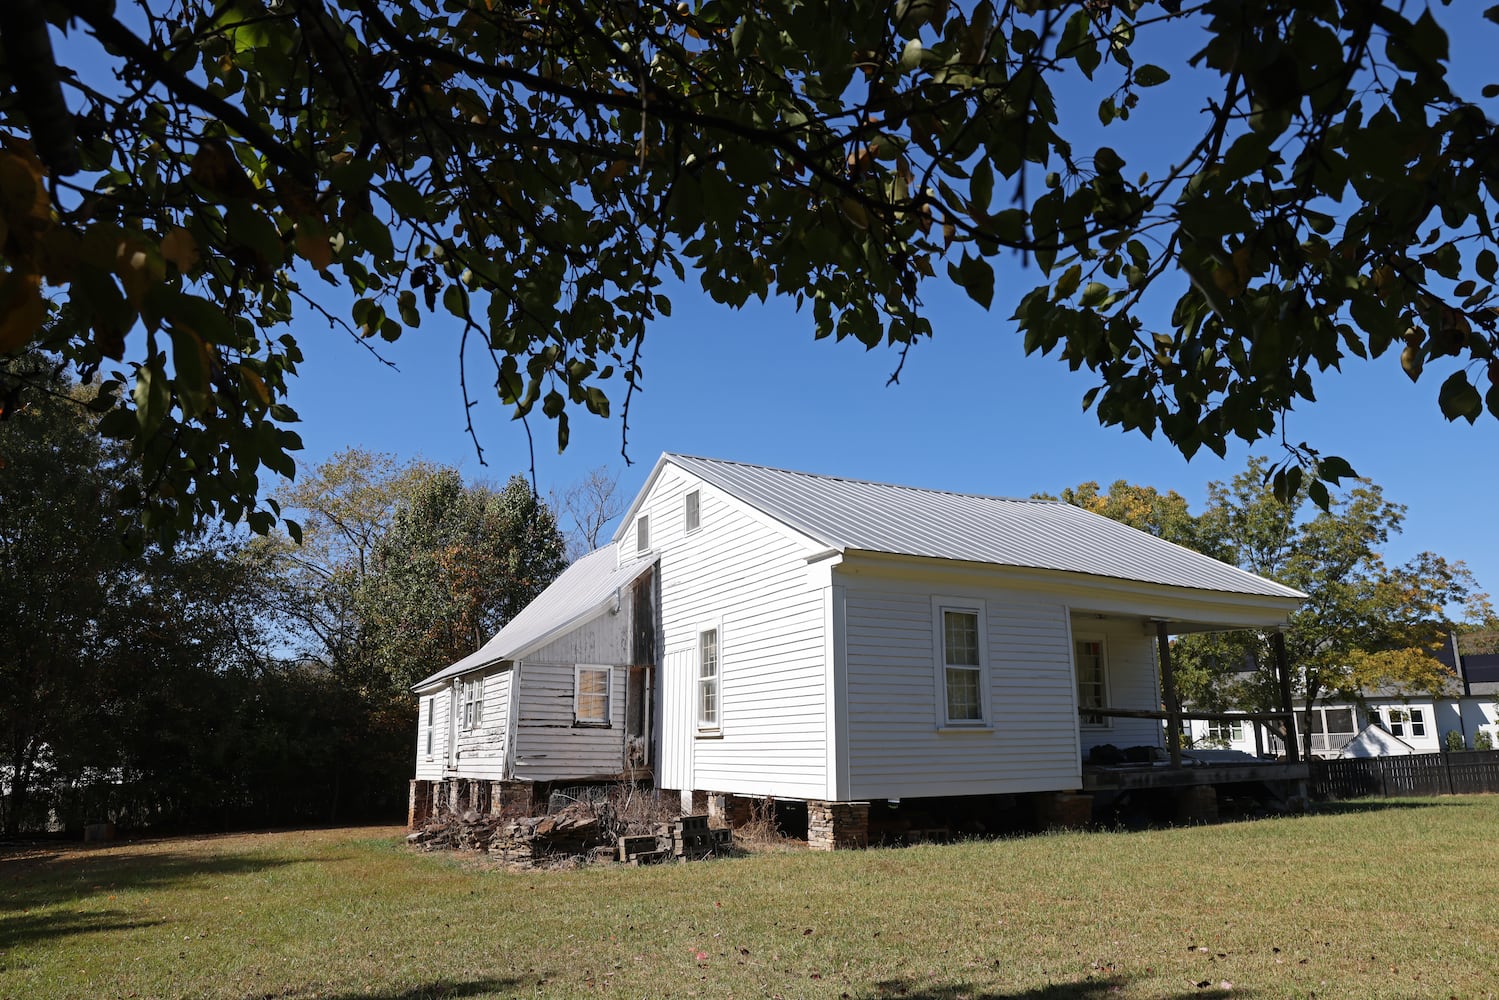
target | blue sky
[{"x": 971, "y": 413}]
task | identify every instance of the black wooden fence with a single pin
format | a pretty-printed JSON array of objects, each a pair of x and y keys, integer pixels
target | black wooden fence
[{"x": 1417, "y": 774}]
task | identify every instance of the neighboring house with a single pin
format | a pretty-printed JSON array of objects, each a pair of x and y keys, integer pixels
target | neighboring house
[
  {"x": 756, "y": 632},
  {"x": 1420, "y": 722}
]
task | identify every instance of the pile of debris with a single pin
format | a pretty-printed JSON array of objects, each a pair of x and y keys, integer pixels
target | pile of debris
[{"x": 573, "y": 831}]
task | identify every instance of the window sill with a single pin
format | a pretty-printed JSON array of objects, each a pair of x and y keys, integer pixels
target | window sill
[
  {"x": 985, "y": 728},
  {"x": 709, "y": 734},
  {"x": 593, "y": 725}
]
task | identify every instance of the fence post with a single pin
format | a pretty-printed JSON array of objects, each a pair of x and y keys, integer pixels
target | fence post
[
  {"x": 1447, "y": 759},
  {"x": 1384, "y": 787}
]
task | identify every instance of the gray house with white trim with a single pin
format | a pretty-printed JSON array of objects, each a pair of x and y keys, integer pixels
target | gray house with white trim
[{"x": 755, "y": 632}]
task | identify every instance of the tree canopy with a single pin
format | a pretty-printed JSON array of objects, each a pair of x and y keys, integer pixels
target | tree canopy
[{"x": 184, "y": 186}]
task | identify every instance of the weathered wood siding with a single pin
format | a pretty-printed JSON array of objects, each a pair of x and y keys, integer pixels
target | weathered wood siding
[
  {"x": 548, "y": 745},
  {"x": 481, "y": 750},
  {"x": 1131, "y": 668},
  {"x": 748, "y": 578},
  {"x": 896, "y": 746},
  {"x": 431, "y": 768}
]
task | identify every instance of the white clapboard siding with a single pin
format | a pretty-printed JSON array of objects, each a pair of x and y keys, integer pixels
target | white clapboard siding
[
  {"x": 549, "y": 746},
  {"x": 748, "y": 578},
  {"x": 1130, "y": 655},
  {"x": 431, "y": 767},
  {"x": 895, "y": 746}
]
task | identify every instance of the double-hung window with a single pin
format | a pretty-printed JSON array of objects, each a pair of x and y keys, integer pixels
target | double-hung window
[
  {"x": 1224, "y": 732},
  {"x": 591, "y": 696},
  {"x": 707, "y": 679},
  {"x": 473, "y": 702},
  {"x": 431, "y": 729},
  {"x": 962, "y": 674},
  {"x": 1092, "y": 678}
]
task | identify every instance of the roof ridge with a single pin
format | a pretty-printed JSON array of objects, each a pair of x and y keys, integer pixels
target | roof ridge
[{"x": 864, "y": 482}]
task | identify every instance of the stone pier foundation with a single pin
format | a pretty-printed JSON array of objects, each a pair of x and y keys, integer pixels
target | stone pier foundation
[{"x": 836, "y": 826}]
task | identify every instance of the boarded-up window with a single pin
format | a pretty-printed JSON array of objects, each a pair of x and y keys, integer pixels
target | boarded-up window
[
  {"x": 591, "y": 696},
  {"x": 1092, "y": 679},
  {"x": 693, "y": 511},
  {"x": 963, "y": 666},
  {"x": 707, "y": 679}
]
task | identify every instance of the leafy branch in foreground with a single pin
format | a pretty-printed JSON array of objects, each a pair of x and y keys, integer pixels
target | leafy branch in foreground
[{"x": 535, "y": 174}]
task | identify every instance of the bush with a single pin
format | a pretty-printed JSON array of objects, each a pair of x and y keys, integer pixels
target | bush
[
  {"x": 1483, "y": 741},
  {"x": 1455, "y": 741}
]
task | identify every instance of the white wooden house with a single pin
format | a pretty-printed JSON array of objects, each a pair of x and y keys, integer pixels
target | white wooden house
[{"x": 758, "y": 632}]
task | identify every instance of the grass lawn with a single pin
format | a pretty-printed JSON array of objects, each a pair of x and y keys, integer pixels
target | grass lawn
[{"x": 1380, "y": 899}]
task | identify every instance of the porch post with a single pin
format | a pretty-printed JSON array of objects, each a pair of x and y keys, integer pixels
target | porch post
[
  {"x": 1168, "y": 691},
  {"x": 1283, "y": 672}
]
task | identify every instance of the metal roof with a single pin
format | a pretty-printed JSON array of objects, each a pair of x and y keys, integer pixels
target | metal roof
[
  {"x": 583, "y": 590},
  {"x": 851, "y": 514}
]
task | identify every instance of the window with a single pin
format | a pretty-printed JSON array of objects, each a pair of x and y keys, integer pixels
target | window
[
  {"x": 642, "y": 533},
  {"x": 707, "y": 679},
  {"x": 693, "y": 511},
  {"x": 962, "y": 685},
  {"x": 591, "y": 696},
  {"x": 1092, "y": 678},
  {"x": 473, "y": 702},
  {"x": 431, "y": 714},
  {"x": 1223, "y": 732},
  {"x": 1331, "y": 728},
  {"x": 1405, "y": 722}
]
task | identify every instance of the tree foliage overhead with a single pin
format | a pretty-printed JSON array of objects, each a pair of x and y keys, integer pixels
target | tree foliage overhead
[{"x": 535, "y": 174}]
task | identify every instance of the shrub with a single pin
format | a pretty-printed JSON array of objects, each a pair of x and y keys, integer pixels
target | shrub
[
  {"x": 1483, "y": 741},
  {"x": 1455, "y": 741}
]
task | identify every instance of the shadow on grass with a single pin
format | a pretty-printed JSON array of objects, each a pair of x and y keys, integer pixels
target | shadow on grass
[
  {"x": 1085, "y": 989},
  {"x": 1352, "y": 807},
  {"x": 33, "y": 888},
  {"x": 441, "y": 990}
]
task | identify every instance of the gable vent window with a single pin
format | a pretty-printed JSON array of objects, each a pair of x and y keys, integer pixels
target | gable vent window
[
  {"x": 693, "y": 518},
  {"x": 643, "y": 534}
]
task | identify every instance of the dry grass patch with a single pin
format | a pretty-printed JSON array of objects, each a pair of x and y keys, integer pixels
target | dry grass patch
[{"x": 1381, "y": 900}]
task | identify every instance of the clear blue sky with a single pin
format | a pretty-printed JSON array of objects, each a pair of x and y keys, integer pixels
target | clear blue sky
[{"x": 972, "y": 413}]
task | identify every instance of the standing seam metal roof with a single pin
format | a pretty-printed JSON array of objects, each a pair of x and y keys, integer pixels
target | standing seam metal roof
[
  {"x": 582, "y": 589},
  {"x": 1038, "y": 534}
]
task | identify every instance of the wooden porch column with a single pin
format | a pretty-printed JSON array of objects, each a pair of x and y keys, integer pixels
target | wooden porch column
[
  {"x": 1168, "y": 691},
  {"x": 1283, "y": 673}
]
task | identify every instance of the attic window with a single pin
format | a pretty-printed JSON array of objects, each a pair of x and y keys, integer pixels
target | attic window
[
  {"x": 693, "y": 511},
  {"x": 643, "y": 533}
]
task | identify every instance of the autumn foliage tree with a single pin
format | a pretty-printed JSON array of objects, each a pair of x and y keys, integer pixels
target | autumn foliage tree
[{"x": 184, "y": 179}]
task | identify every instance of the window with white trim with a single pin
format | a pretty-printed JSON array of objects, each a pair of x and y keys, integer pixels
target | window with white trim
[
  {"x": 591, "y": 695},
  {"x": 692, "y": 511},
  {"x": 431, "y": 729},
  {"x": 643, "y": 533},
  {"x": 473, "y": 702},
  {"x": 1331, "y": 727},
  {"x": 962, "y": 665},
  {"x": 1404, "y": 721},
  {"x": 1223, "y": 732},
  {"x": 1092, "y": 678},
  {"x": 707, "y": 679}
]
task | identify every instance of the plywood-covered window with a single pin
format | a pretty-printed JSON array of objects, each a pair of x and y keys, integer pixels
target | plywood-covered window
[
  {"x": 473, "y": 702},
  {"x": 707, "y": 679},
  {"x": 692, "y": 516},
  {"x": 591, "y": 696},
  {"x": 962, "y": 663},
  {"x": 1092, "y": 678}
]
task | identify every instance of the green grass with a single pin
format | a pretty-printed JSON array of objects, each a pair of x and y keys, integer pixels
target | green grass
[{"x": 1379, "y": 899}]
